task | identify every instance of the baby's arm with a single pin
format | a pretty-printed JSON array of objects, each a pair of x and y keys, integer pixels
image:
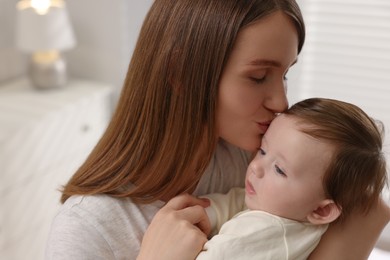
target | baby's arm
[
  {"x": 224, "y": 206},
  {"x": 247, "y": 236}
]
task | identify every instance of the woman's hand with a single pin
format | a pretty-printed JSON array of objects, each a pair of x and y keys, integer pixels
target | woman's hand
[{"x": 178, "y": 231}]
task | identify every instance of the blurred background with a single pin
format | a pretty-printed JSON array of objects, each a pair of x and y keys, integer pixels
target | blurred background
[{"x": 46, "y": 134}]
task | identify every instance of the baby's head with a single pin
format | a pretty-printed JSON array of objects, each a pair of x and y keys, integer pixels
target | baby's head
[{"x": 320, "y": 160}]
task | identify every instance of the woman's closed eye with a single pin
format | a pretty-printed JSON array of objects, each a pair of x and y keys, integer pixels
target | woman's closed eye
[{"x": 258, "y": 80}]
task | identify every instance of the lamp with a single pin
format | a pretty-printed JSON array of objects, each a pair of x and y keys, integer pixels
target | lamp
[{"x": 44, "y": 30}]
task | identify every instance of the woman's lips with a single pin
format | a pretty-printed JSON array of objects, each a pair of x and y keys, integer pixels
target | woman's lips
[
  {"x": 249, "y": 188},
  {"x": 264, "y": 126}
]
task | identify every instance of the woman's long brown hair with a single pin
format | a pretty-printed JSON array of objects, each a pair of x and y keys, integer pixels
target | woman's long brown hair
[{"x": 162, "y": 134}]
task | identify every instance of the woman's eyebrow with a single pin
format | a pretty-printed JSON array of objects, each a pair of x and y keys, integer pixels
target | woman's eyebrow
[
  {"x": 263, "y": 62},
  {"x": 268, "y": 63}
]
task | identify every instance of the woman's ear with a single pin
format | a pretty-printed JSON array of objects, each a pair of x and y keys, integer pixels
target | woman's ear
[{"x": 325, "y": 213}]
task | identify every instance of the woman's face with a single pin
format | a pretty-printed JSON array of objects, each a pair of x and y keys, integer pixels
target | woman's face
[{"x": 252, "y": 87}]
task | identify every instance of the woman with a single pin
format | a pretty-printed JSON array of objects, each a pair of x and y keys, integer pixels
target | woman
[{"x": 206, "y": 79}]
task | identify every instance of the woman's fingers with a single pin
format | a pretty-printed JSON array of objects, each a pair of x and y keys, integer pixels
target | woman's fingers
[
  {"x": 178, "y": 231},
  {"x": 186, "y": 200},
  {"x": 188, "y": 208},
  {"x": 197, "y": 215}
]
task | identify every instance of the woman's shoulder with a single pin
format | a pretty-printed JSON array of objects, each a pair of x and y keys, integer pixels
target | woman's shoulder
[
  {"x": 105, "y": 208},
  {"x": 114, "y": 226}
]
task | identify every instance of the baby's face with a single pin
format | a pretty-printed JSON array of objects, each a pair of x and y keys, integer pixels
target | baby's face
[{"x": 285, "y": 177}]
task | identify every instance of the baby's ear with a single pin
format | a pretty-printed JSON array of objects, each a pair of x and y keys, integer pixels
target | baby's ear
[{"x": 326, "y": 212}]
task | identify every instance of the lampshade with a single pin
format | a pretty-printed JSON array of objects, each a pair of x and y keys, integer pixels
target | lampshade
[
  {"x": 40, "y": 32},
  {"x": 43, "y": 30}
]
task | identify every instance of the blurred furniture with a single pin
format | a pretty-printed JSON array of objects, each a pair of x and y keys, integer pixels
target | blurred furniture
[
  {"x": 44, "y": 137},
  {"x": 44, "y": 30}
]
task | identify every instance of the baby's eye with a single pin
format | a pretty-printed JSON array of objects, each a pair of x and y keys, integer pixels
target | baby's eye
[
  {"x": 261, "y": 151},
  {"x": 280, "y": 171}
]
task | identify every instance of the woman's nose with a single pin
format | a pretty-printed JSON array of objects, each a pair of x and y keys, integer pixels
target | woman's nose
[{"x": 276, "y": 100}]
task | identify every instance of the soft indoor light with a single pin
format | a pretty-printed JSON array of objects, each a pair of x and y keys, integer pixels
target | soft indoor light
[
  {"x": 44, "y": 30},
  {"x": 41, "y": 6}
]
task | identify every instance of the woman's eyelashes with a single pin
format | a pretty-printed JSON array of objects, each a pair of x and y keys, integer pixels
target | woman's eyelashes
[
  {"x": 262, "y": 79},
  {"x": 258, "y": 80}
]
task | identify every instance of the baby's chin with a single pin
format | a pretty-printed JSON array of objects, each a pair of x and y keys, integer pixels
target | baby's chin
[{"x": 249, "y": 204}]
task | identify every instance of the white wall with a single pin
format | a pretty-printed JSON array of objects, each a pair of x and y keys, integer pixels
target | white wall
[
  {"x": 12, "y": 62},
  {"x": 106, "y": 34}
]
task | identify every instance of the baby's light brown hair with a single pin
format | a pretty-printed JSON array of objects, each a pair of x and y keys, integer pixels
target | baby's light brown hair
[{"x": 357, "y": 173}]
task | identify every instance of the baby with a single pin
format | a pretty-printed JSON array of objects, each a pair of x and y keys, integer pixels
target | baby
[{"x": 319, "y": 162}]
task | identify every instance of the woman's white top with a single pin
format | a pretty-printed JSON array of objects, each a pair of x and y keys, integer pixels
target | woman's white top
[{"x": 103, "y": 227}]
